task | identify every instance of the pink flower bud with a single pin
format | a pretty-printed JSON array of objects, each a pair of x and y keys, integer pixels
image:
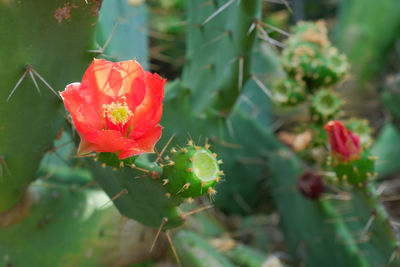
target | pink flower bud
[{"x": 345, "y": 146}]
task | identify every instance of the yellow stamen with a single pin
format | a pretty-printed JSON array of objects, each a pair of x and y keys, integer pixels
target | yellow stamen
[{"x": 116, "y": 112}]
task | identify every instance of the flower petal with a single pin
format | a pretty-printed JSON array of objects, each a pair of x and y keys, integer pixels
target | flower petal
[
  {"x": 80, "y": 107},
  {"x": 85, "y": 147},
  {"x": 108, "y": 140},
  {"x": 94, "y": 84},
  {"x": 148, "y": 113},
  {"x": 344, "y": 144},
  {"x": 130, "y": 70},
  {"x": 143, "y": 145},
  {"x": 137, "y": 93}
]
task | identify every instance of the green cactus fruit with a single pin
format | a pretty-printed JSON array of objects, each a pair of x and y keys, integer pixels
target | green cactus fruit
[
  {"x": 309, "y": 56},
  {"x": 112, "y": 160},
  {"x": 288, "y": 91},
  {"x": 355, "y": 172},
  {"x": 325, "y": 105},
  {"x": 361, "y": 127},
  {"x": 191, "y": 172}
]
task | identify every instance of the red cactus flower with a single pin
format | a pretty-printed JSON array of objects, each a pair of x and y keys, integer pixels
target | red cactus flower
[
  {"x": 345, "y": 145},
  {"x": 310, "y": 185},
  {"x": 116, "y": 108}
]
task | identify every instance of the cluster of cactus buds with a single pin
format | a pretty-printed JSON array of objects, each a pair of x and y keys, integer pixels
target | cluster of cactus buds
[
  {"x": 309, "y": 56},
  {"x": 350, "y": 161},
  {"x": 312, "y": 66}
]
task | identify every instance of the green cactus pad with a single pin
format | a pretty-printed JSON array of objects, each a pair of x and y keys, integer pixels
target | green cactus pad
[
  {"x": 325, "y": 105},
  {"x": 196, "y": 251},
  {"x": 191, "y": 172},
  {"x": 357, "y": 171},
  {"x": 46, "y": 38},
  {"x": 288, "y": 92}
]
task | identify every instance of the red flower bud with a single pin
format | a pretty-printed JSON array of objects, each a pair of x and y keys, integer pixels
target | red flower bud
[
  {"x": 345, "y": 145},
  {"x": 310, "y": 185},
  {"x": 116, "y": 108}
]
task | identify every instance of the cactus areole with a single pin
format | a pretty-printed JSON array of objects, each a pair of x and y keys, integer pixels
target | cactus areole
[{"x": 116, "y": 108}]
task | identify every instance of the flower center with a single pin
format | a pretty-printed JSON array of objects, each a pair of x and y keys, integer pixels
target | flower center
[{"x": 117, "y": 113}]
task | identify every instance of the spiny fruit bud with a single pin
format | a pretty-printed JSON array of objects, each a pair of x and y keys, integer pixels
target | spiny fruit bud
[
  {"x": 325, "y": 105},
  {"x": 351, "y": 162},
  {"x": 194, "y": 172},
  {"x": 288, "y": 92},
  {"x": 310, "y": 185}
]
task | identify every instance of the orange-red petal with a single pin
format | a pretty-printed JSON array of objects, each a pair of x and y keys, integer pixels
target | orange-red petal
[
  {"x": 148, "y": 114},
  {"x": 81, "y": 107},
  {"x": 143, "y": 145}
]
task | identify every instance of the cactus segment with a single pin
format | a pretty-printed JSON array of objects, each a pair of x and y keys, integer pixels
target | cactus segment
[
  {"x": 195, "y": 251},
  {"x": 243, "y": 255},
  {"x": 374, "y": 226},
  {"x": 371, "y": 39},
  {"x": 288, "y": 91},
  {"x": 216, "y": 79},
  {"x": 356, "y": 171},
  {"x": 135, "y": 187},
  {"x": 191, "y": 172},
  {"x": 387, "y": 149},
  {"x": 122, "y": 31},
  {"x": 50, "y": 41},
  {"x": 325, "y": 105},
  {"x": 61, "y": 225},
  {"x": 309, "y": 56}
]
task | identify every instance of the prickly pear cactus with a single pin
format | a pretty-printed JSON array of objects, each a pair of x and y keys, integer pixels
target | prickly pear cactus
[{"x": 154, "y": 153}]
